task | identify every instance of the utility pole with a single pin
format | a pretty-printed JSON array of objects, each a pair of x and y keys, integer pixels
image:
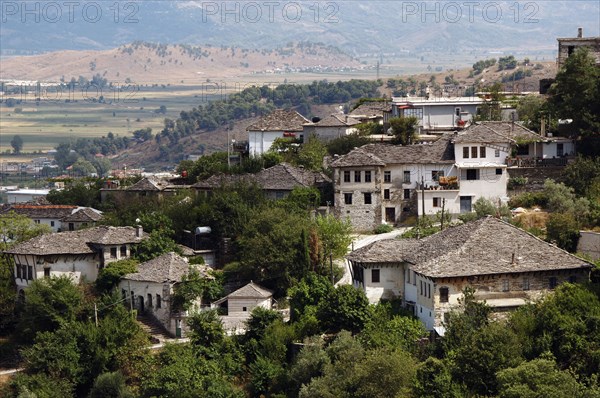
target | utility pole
[
  {"x": 443, "y": 206},
  {"x": 331, "y": 266},
  {"x": 130, "y": 296},
  {"x": 96, "y": 314}
]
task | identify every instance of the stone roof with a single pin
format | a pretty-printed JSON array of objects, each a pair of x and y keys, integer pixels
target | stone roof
[
  {"x": 76, "y": 242},
  {"x": 383, "y": 251},
  {"x": 372, "y": 109},
  {"x": 280, "y": 120},
  {"x": 251, "y": 290},
  {"x": 148, "y": 184},
  {"x": 483, "y": 247},
  {"x": 335, "y": 121},
  {"x": 496, "y": 132},
  {"x": 282, "y": 176},
  {"x": 440, "y": 151},
  {"x": 42, "y": 211},
  {"x": 84, "y": 214},
  {"x": 170, "y": 267},
  {"x": 286, "y": 177}
]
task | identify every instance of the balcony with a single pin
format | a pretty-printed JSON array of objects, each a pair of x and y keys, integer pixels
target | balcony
[
  {"x": 538, "y": 162},
  {"x": 443, "y": 184}
]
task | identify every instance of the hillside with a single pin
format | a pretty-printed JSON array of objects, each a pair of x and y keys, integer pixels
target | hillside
[
  {"x": 149, "y": 153},
  {"x": 148, "y": 63}
]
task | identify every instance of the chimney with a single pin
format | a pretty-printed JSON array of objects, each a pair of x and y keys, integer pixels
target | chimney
[
  {"x": 513, "y": 259},
  {"x": 139, "y": 231},
  {"x": 579, "y": 33}
]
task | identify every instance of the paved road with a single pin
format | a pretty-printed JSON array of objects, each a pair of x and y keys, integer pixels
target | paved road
[{"x": 362, "y": 241}]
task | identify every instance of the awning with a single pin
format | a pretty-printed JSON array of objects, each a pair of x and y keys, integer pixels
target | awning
[
  {"x": 506, "y": 302},
  {"x": 480, "y": 165},
  {"x": 404, "y": 106},
  {"x": 440, "y": 330}
]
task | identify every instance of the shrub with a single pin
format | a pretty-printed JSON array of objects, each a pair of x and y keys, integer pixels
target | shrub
[{"x": 383, "y": 228}]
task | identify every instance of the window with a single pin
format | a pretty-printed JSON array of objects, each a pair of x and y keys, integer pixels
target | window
[
  {"x": 552, "y": 282},
  {"x": 522, "y": 149},
  {"x": 497, "y": 153},
  {"x": 505, "y": 285},
  {"x": 482, "y": 152},
  {"x": 525, "y": 283},
  {"x": 407, "y": 194},
  {"x": 113, "y": 252},
  {"x": 406, "y": 179},
  {"x": 443, "y": 294},
  {"x": 560, "y": 150},
  {"x": 572, "y": 279},
  {"x": 279, "y": 195},
  {"x": 51, "y": 223},
  {"x": 244, "y": 309},
  {"x": 123, "y": 251},
  {"x": 416, "y": 112},
  {"x": 368, "y": 176},
  {"x": 466, "y": 152},
  {"x": 47, "y": 272},
  {"x": 357, "y": 176},
  {"x": 446, "y": 318},
  {"x": 158, "y": 301},
  {"x": 346, "y": 176},
  {"x": 457, "y": 111},
  {"x": 19, "y": 271},
  {"x": 386, "y": 194},
  {"x": 498, "y": 172},
  {"x": 30, "y": 272},
  {"x": 429, "y": 290},
  {"x": 472, "y": 174},
  {"x": 367, "y": 197},
  {"x": 473, "y": 152},
  {"x": 375, "y": 275},
  {"x": 387, "y": 176},
  {"x": 149, "y": 300},
  {"x": 348, "y": 198},
  {"x": 421, "y": 288},
  {"x": 437, "y": 202},
  {"x": 71, "y": 226},
  {"x": 36, "y": 221},
  {"x": 436, "y": 174}
]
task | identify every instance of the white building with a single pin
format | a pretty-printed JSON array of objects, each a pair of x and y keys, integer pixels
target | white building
[
  {"x": 239, "y": 304},
  {"x": 278, "y": 124},
  {"x": 437, "y": 113},
  {"x": 78, "y": 254},
  {"x": 25, "y": 195},
  {"x": 506, "y": 266},
  {"x": 331, "y": 127},
  {"x": 151, "y": 289},
  {"x": 58, "y": 217}
]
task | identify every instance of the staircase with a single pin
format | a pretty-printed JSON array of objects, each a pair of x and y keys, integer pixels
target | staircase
[{"x": 157, "y": 332}]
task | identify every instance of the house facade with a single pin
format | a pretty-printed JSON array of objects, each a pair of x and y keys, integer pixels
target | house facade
[
  {"x": 568, "y": 45},
  {"x": 238, "y": 305},
  {"x": 506, "y": 266},
  {"x": 437, "y": 114},
  {"x": 331, "y": 127},
  {"x": 77, "y": 254},
  {"x": 147, "y": 188},
  {"x": 150, "y": 290},
  {"x": 280, "y": 123},
  {"x": 58, "y": 217}
]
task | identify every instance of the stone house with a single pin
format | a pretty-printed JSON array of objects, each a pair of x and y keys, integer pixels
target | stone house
[
  {"x": 506, "y": 266},
  {"x": 151, "y": 289},
  {"x": 78, "y": 254},
  {"x": 373, "y": 112},
  {"x": 147, "y": 188},
  {"x": 238, "y": 305},
  {"x": 58, "y": 217},
  {"x": 280, "y": 123},
  {"x": 331, "y": 127},
  {"x": 277, "y": 181},
  {"x": 377, "y": 183},
  {"x": 568, "y": 45}
]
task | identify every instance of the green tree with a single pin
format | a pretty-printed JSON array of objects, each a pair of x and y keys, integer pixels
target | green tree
[
  {"x": 539, "y": 378},
  {"x": 582, "y": 174},
  {"x": 491, "y": 109},
  {"x": 312, "y": 289},
  {"x": 344, "y": 144},
  {"x": 17, "y": 143},
  {"x": 384, "y": 329},
  {"x": 531, "y": 109},
  {"x": 484, "y": 207},
  {"x": 83, "y": 167},
  {"x": 110, "y": 385},
  {"x": 334, "y": 235},
  {"x": 404, "y": 129},
  {"x": 49, "y": 304},
  {"x": 38, "y": 385},
  {"x": 563, "y": 230},
  {"x": 433, "y": 380},
  {"x": 16, "y": 228},
  {"x": 154, "y": 246},
  {"x": 575, "y": 93},
  {"x": 111, "y": 274},
  {"x": 311, "y": 154},
  {"x": 346, "y": 308},
  {"x": 207, "y": 331}
]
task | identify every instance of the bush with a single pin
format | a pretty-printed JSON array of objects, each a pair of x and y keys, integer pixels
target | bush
[
  {"x": 383, "y": 228},
  {"x": 110, "y": 275},
  {"x": 529, "y": 199},
  {"x": 563, "y": 229}
]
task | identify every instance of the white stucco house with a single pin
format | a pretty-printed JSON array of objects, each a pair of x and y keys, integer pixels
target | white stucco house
[
  {"x": 77, "y": 254},
  {"x": 58, "y": 217},
  {"x": 506, "y": 266},
  {"x": 280, "y": 123},
  {"x": 151, "y": 289},
  {"x": 437, "y": 114},
  {"x": 238, "y": 305}
]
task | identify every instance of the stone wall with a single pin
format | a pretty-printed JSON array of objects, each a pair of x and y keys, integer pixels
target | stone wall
[
  {"x": 535, "y": 177},
  {"x": 589, "y": 244}
]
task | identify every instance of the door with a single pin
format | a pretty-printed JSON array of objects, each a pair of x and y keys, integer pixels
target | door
[
  {"x": 560, "y": 150},
  {"x": 390, "y": 214},
  {"x": 141, "y": 301},
  {"x": 465, "y": 204}
]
